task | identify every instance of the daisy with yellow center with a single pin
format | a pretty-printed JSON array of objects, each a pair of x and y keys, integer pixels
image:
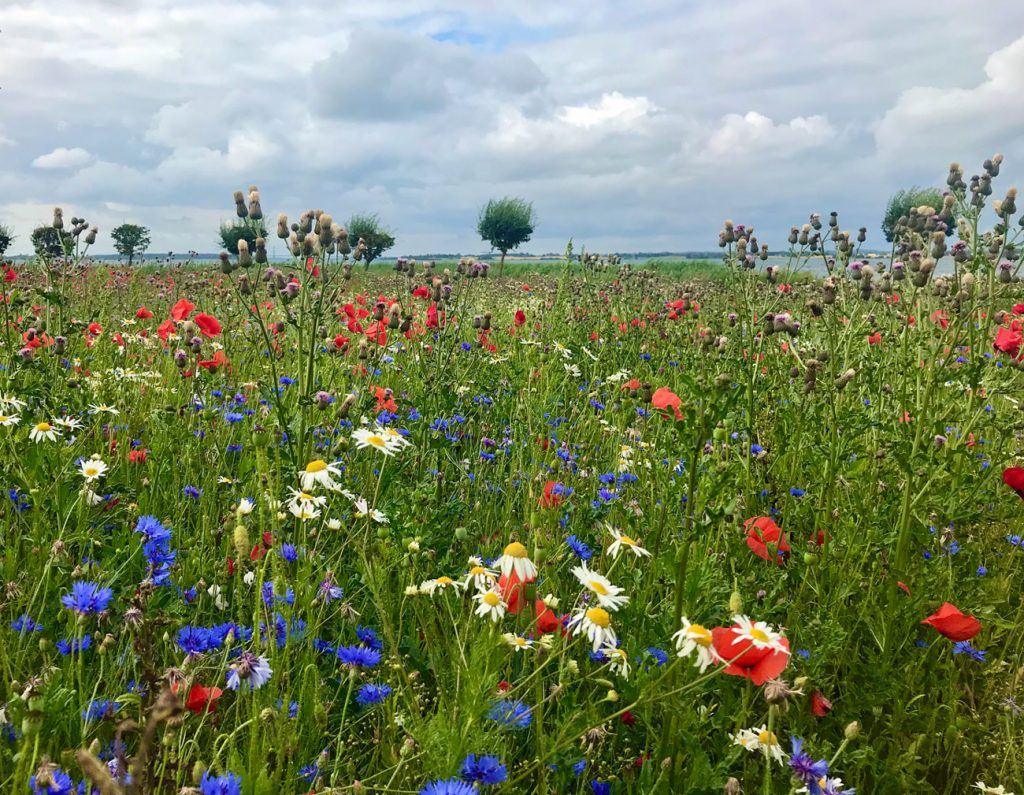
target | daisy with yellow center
[
  {"x": 9, "y": 420},
  {"x": 43, "y": 432},
  {"x": 596, "y": 625},
  {"x": 68, "y": 423},
  {"x": 517, "y": 642},
  {"x": 618, "y": 661},
  {"x": 479, "y": 576},
  {"x": 760, "y": 739},
  {"x": 378, "y": 439},
  {"x": 319, "y": 473},
  {"x": 305, "y": 506},
  {"x": 696, "y": 640},
  {"x": 442, "y": 583},
  {"x": 515, "y": 559},
  {"x": 364, "y": 511},
  {"x": 92, "y": 469},
  {"x": 760, "y": 634},
  {"x": 490, "y": 605},
  {"x": 622, "y": 541},
  {"x": 608, "y": 595}
]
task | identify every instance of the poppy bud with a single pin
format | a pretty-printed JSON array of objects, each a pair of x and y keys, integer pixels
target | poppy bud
[{"x": 735, "y": 603}]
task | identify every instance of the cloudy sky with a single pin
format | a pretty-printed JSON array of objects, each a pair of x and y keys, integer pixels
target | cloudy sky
[{"x": 631, "y": 126}]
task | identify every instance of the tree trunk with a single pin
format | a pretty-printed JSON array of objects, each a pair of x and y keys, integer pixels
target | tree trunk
[
  {"x": 131, "y": 259},
  {"x": 501, "y": 265}
]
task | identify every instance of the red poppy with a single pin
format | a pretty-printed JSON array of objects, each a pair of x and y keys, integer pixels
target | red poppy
[
  {"x": 218, "y": 360},
  {"x": 511, "y": 588},
  {"x": 746, "y": 660},
  {"x": 138, "y": 456},
  {"x": 208, "y": 324},
  {"x": 547, "y": 621},
  {"x": 664, "y": 399},
  {"x": 1018, "y": 309},
  {"x": 182, "y": 309},
  {"x": 949, "y": 622},
  {"x": 1009, "y": 338},
  {"x": 762, "y": 531},
  {"x": 1014, "y": 478},
  {"x": 550, "y": 499},
  {"x": 421, "y": 292},
  {"x": 820, "y": 706},
  {"x": 520, "y": 317},
  {"x": 202, "y": 699},
  {"x": 874, "y": 339},
  {"x": 378, "y": 332},
  {"x": 165, "y": 329},
  {"x": 9, "y": 274},
  {"x": 143, "y": 314},
  {"x": 632, "y": 384},
  {"x": 385, "y": 399}
]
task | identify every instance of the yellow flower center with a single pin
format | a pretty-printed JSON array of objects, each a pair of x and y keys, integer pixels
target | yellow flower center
[
  {"x": 627, "y": 540},
  {"x": 92, "y": 470},
  {"x": 766, "y": 737},
  {"x": 444, "y": 581},
  {"x": 3, "y": 418},
  {"x": 491, "y": 598},
  {"x": 598, "y": 587},
  {"x": 44, "y": 427},
  {"x": 477, "y": 571},
  {"x": 305, "y": 497},
  {"x": 319, "y": 465},
  {"x": 376, "y": 441},
  {"x": 699, "y": 635},
  {"x": 521, "y": 642},
  {"x": 759, "y": 635},
  {"x": 515, "y": 550},
  {"x": 599, "y": 617}
]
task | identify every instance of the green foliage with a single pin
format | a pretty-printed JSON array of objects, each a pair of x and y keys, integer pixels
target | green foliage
[
  {"x": 246, "y": 229},
  {"x": 49, "y": 242},
  {"x": 901, "y": 202},
  {"x": 377, "y": 238},
  {"x": 129, "y": 240},
  {"x": 6, "y": 238},
  {"x": 506, "y": 223}
]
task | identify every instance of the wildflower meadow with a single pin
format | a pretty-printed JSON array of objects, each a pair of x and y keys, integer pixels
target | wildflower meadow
[{"x": 314, "y": 526}]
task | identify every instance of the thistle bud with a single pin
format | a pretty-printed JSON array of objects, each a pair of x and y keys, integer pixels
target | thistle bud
[
  {"x": 240, "y": 538},
  {"x": 58, "y": 218},
  {"x": 91, "y": 237},
  {"x": 732, "y": 787}
]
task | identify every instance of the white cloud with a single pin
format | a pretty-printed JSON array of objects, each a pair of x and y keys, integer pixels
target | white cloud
[
  {"x": 63, "y": 158},
  {"x": 613, "y": 107},
  {"x": 755, "y": 134}
]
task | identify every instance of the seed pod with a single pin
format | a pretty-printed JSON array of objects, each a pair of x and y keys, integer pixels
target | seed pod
[
  {"x": 282, "y": 226},
  {"x": 91, "y": 237}
]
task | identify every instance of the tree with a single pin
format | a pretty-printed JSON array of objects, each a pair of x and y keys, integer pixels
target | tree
[
  {"x": 47, "y": 241},
  {"x": 376, "y": 238},
  {"x": 506, "y": 224},
  {"x": 902, "y": 201},
  {"x": 247, "y": 230},
  {"x": 6, "y": 238},
  {"x": 129, "y": 240}
]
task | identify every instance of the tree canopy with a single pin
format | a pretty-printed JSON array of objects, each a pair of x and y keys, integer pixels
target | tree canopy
[
  {"x": 376, "y": 238},
  {"x": 506, "y": 224},
  {"x": 130, "y": 239},
  {"x": 901, "y": 202}
]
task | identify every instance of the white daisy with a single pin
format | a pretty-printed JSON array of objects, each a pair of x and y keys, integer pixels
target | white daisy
[
  {"x": 103, "y": 408},
  {"x": 442, "y": 583},
  {"x": 695, "y": 639},
  {"x": 68, "y": 423},
  {"x": 622, "y": 541},
  {"x": 490, "y": 605},
  {"x": 482, "y": 578},
  {"x": 608, "y": 595},
  {"x": 11, "y": 402},
  {"x": 760, "y": 634},
  {"x": 304, "y": 505},
  {"x": 515, "y": 559},
  {"x": 517, "y": 642},
  {"x": 319, "y": 473},
  {"x": 364, "y": 511},
  {"x": 596, "y": 624},
  {"x": 1000, "y": 790},
  {"x": 759, "y": 739},
  {"x": 43, "y": 431},
  {"x": 618, "y": 661},
  {"x": 378, "y": 438},
  {"x": 92, "y": 468},
  {"x": 9, "y": 420}
]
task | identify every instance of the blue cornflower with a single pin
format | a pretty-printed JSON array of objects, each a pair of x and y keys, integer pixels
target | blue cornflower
[
  {"x": 579, "y": 548},
  {"x": 233, "y": 416},
  {"x": 600, "y": 787},
  {"x": 60, "y": 784},
  {"x": 192, "y": 492},
  {"x": 286, "y": 380},
  {"x": 86, "y": 598},
  {"x": 100, "y": 708},
  {"x": 511, "y": 714},
  {"x": 982, "y": 571},
  {"x": 965, "y": 647},
  {"x": 451, "y": 786},
  {"x": 579, "y": 767},
  {"x": 369, "y": 638},
  {"x": 73, "y": 645},
  {"x": 195, "y": 640},
  {"x": 25, "y": 623},
  {"x": 370, "y": 694},
  {"x": 832, "y": 787},
  {"x": 289, "y": 552},
  {"x": 310, "y": 772},
  {"x": 483, "y": 769},
  {"x": 806, "y": 769},
  {"x": 358, "y": 656},
  {"x": 660, "y": 656},
  {"x": 228, "y": 784},
  {"x": 797, "y": 492}
]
